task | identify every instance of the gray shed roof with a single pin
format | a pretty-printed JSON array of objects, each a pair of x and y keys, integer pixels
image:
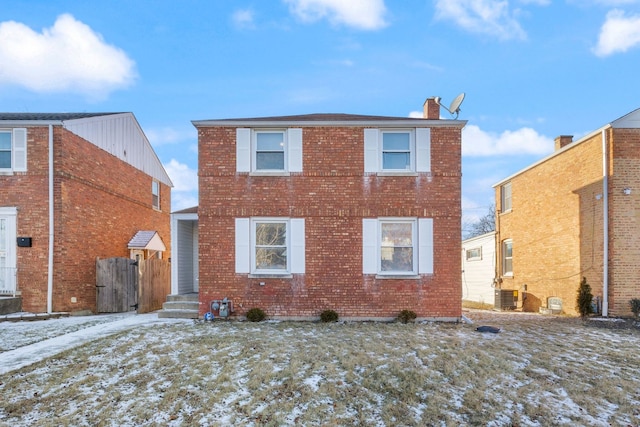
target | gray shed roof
[{"x": 147, "y": 239}]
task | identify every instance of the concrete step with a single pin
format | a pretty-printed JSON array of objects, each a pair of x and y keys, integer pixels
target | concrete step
[
  {"x": 177, "y": 314},
  {"x": 185, "y": 306},
  {"x": 181, "y": 305},
  {"x": 183, "y": 297}
]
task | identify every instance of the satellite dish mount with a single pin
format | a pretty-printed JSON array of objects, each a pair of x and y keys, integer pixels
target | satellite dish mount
[{"x": 454, "y": 108}]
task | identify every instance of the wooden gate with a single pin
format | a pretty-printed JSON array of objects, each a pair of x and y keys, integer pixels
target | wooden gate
[{"x": 125, "y": 285}]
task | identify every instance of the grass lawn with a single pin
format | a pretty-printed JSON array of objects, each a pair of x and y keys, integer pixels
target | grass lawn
[{"x": 538, "y": 371}]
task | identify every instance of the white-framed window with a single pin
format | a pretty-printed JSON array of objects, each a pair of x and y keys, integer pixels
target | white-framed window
[
  {"x": 13, "y": 150},
  {"x": 474, "y": 254},
  {"x": 155, "y": 194},
  {"x": 268, "y": 151},
  {"x": 270, "y": 246},
  {"x": 507, "y": 257},
  {"x": 397, "y": 150},
  {"x": 397, "y": 246},
  {"x": 505, "y": 197}
]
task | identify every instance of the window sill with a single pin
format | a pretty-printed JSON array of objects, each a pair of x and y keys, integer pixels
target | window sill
[
  {"x": 398, "y": 173},
  {"x": 508, "y": 275},
  {"x": 505, "y": 212},
  {"x": 398, "y": 276},
  {"x": 6, "y": 172},
  {"x": 275, "y": 173},
  {"x": 271, "y": 276}
]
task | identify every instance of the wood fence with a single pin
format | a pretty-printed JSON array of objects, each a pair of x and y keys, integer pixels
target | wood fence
[{"x": 124, "y": 284}]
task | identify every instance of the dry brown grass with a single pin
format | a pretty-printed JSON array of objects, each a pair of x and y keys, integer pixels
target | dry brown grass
[{"x": 537, "y": 371}]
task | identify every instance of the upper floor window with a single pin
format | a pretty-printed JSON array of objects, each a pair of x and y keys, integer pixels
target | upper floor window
[
  {"x": 155, "y": 194},
  {"x": 505, "y": 197},
  {"x": 13, "y": 150},
  {"x": 397, "y": 246},
  {"x": 268, "y": 151},
  {"x": 397, "y": 150},
  {"x": 507, "y": 257}
]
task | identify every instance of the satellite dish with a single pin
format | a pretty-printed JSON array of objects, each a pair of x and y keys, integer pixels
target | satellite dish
[
  {"x": 454, "y": 108},
  {"x": 455, "y": 105}
]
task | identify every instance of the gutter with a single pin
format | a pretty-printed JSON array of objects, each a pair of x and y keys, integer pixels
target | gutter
[
  {"x": 605, "y": 226},
  {"x": 51, "y": 228}
]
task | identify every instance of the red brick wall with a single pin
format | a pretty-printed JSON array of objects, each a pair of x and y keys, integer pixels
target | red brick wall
[
  {"x": 28, "y": 191},
  {"x": 333, "y": 195},
  {"x": 100, "y": 202}
]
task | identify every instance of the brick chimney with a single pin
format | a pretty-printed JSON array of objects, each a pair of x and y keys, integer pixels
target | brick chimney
[
  {"x": 431, "y": 109},
  {"x": 563, "y": 140}
]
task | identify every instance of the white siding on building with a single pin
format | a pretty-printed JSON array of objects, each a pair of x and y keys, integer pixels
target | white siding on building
[
  {"x": 478, "y": 272},
  {"x": 122, "y": 136}
]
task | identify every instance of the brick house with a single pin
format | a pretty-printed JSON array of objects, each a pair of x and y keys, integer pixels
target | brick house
[
  {"x": 574, "y": 214},
  {"x": 73, "y": 187},
  {"x": 358, "y": 214}
]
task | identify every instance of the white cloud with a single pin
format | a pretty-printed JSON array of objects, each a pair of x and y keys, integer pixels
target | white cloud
[
  {"x": 184, "y": 178},
  {"x": 619, "y": 33},
  {"x": 68, "y": 57},
  {"x": 361, "y": 14},
  {"x": 476, "y": 142},
  {"x": 243, "y": 18},
  {"x": 168, "y": 135},
  {"x": 491, "y": 17},
  {"x": 181, "y": 201}
]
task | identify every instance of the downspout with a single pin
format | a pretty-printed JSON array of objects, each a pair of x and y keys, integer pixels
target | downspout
[
  {"x": 605, "y": 227},
  {"x": 51, "y": 228}
]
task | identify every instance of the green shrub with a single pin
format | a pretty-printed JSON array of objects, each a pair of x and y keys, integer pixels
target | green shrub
[
  {"x": 256, "y": 315},
  {"x": 329, "y": 316},
  {"x": 407, "y": 316},
  {"x": 635, "y": 306},
  {"x": 584, "y": 299}
]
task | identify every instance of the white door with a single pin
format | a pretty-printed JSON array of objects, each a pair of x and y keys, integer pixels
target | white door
[{"x": 7, "y": 251}]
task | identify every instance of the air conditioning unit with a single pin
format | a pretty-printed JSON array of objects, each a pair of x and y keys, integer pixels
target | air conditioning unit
[{"x": 506, "y": 299}]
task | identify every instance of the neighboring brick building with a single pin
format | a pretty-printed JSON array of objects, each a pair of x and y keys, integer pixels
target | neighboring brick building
[
  {"x": 551, "y": 216},
  {"x": 358, "y": 214},
  {"x": 99, "y": 179}
]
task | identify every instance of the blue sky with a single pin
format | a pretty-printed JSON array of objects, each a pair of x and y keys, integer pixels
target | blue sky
[{"x": 531, "y": 69}]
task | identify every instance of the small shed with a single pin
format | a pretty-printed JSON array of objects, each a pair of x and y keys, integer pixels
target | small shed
[{"x": 146, "y": 244}]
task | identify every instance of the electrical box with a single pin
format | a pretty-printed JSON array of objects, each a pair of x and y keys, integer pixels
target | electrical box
[
  {"x": 24, "y": 242},
  {"x": 221, "y": 308},
  {"x": 506, "y": 299}
]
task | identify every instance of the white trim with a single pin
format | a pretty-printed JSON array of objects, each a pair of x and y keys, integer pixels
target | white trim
[
  {"x": 370, "y": 246},
  {"x": 243, "y": 150},
  {"x": 423, "y": 150},
  {"x": 425, "y": 246},
  {"x": 243, "y": 247},
  {"x": 19, "y": 150},
  {"x": 294, "y": 148},
  {"x": 371, "y": 150},
  {"x": 297, "y": 248}
]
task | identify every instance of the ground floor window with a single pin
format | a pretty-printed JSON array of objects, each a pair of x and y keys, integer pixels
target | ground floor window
[
  {"x": 397, "y": 246},
  {"x": 270, "y": 246}
]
